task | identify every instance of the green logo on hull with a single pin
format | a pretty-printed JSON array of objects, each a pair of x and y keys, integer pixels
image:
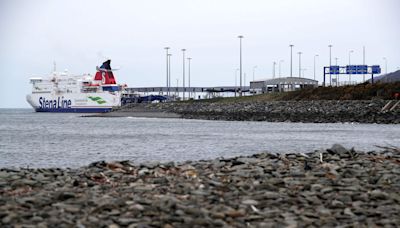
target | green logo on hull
[{"x": 99, "y": 100}]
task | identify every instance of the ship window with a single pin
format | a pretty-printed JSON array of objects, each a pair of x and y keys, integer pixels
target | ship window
[{"x": 33, "y": 81}]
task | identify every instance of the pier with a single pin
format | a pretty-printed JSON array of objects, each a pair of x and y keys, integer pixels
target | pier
[
  {"x": 137, "y": 94},
  {"x": 216, "y": 89}
]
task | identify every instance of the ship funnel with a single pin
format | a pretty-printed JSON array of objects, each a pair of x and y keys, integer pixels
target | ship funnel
[{"x": 104, "y": 73}]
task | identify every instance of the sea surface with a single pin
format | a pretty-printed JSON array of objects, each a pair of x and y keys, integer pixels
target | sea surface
[{"x": 29, "y": 139}]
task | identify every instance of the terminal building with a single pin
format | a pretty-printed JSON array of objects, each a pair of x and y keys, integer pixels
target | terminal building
[{"x": 281, "y": 85}]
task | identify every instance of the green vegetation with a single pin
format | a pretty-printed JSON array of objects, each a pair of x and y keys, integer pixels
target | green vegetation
[{"x": 365, "y": 91}]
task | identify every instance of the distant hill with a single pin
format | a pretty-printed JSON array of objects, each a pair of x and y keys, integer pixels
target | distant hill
[{"x": 387, "y": 78}]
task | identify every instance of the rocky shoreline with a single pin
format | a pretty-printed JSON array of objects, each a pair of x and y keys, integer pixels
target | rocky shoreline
[
  {"x": 318, "y": 111},
  {"x": 335, "y": 187}
]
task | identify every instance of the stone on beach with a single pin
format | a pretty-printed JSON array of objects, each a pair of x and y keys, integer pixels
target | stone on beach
[
  {"x": 346, "y": 188},
  {"x": 307, "y": 111}
]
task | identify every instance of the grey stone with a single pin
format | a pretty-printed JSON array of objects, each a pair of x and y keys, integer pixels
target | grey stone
[
  {"x": 250, "y": 202},
  {"x": 337, "y": 204},
  {"x": 378, "y": 194},
  {"x": 337, "y": 149}
]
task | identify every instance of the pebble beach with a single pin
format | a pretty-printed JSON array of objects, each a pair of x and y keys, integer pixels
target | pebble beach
[{"x": 334, "y": 187}]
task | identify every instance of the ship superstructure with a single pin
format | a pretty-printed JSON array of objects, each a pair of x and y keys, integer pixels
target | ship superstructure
[{"x": 62, "y": 92}]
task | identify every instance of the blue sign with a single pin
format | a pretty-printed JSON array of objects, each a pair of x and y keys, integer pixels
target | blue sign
[
  {"x": 350, "y": 69},
  {"x": 353, "y": 69},
  {"x": 362, "y": 69},
  {"x": 376, "y": 69},
  {"x": 334, "y": 69},
  {"x": 356, "y": 69}
]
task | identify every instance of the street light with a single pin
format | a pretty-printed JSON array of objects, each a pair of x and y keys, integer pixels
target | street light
[
  {"x": 314, "y": 64},
  {"x": 280, "y": 61},
  {"x": 166, "y": 48},
  {"x": 299, "y": 63},
  {"x": 244, "y": 79},
  {"x": 240, "y": 40},
  {"x": 189, "y": 73},
  {"x": 364, "y": 62},
  {"x": 169, "y": 72},
  {"x": 254, "y": 69},
  {"x": 237, "y": 69},
  {"x": 291, "y": 59},
  {"x": 330, "y": 64},
  {"x": 337, "y": 76},
  {"x": 386, "y": 70},
  {"x": 351, "y": 51},
  {"x": 273, "y": 69},
  {"x": 177, "y": 84},
  {"x": 183, "y": 73}
]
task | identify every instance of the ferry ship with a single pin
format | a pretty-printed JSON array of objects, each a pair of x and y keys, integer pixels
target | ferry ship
[{"x": 62, "y": 92}]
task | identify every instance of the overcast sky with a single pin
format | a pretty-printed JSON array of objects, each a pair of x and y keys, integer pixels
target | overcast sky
[{"x": 79, "y": 35}]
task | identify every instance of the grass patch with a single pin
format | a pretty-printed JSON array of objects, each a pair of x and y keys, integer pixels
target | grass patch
[{"x": 365, "y": 91}]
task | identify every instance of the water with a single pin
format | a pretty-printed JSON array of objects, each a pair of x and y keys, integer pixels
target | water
[{"x": 68, "y": 140}]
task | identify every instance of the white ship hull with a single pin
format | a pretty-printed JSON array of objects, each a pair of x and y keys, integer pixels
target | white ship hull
[
  {"x": 62, "y": 92},
  {"x": 83, "y": 102}
]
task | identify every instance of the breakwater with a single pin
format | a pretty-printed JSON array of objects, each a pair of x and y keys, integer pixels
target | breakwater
[
  {"x": 319, "y": 111},
  {"x": 333, "y": 187}
]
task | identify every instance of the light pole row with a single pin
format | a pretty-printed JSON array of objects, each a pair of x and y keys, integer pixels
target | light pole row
[
  {"x": 254, "y": 71},
  {"x": 189, "y": 75},
  {"x": 291, "y": 59},
  {"x": 299, "y": 63},
  {"x": 168, "y": 71},
  {"x": 240, "y": 63},
  {"x": 168, "y": 66},
  {"x": 291, "y": 62},
  {"x": 315, "y": 56},
  {"x": 351, "y": 51},
  {"x": 183, "y": 73}
]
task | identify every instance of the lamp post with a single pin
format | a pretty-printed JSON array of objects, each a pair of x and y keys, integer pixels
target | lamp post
[
  {"x": 299, "y": 63},
  {"x": 177, "y": 84},
  {"x": 189, "y": 74},
  {"x": 291, "y": 59},
  {"x": 169, "y": 72},
  {"x": 337, "y": 76},
  {"x": 279, "y": 67},
  {"x": 273, "y": 69},
  {"x": 167, "y": 48},
  {"x": 240, "y": 53},
  {"x": 237, "y": 69},
  {"x": 351, "y": 51},
  {"x": 386, "y": 70},
  {"x": 364, "y": 62},
  {"x": 254, "y": 71},
  {"x": 330, "y": 63},
  {"x": 183, "y": 74},
  {"x": 314, "y": 64},
  {"x": 244, "y": 79}
]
